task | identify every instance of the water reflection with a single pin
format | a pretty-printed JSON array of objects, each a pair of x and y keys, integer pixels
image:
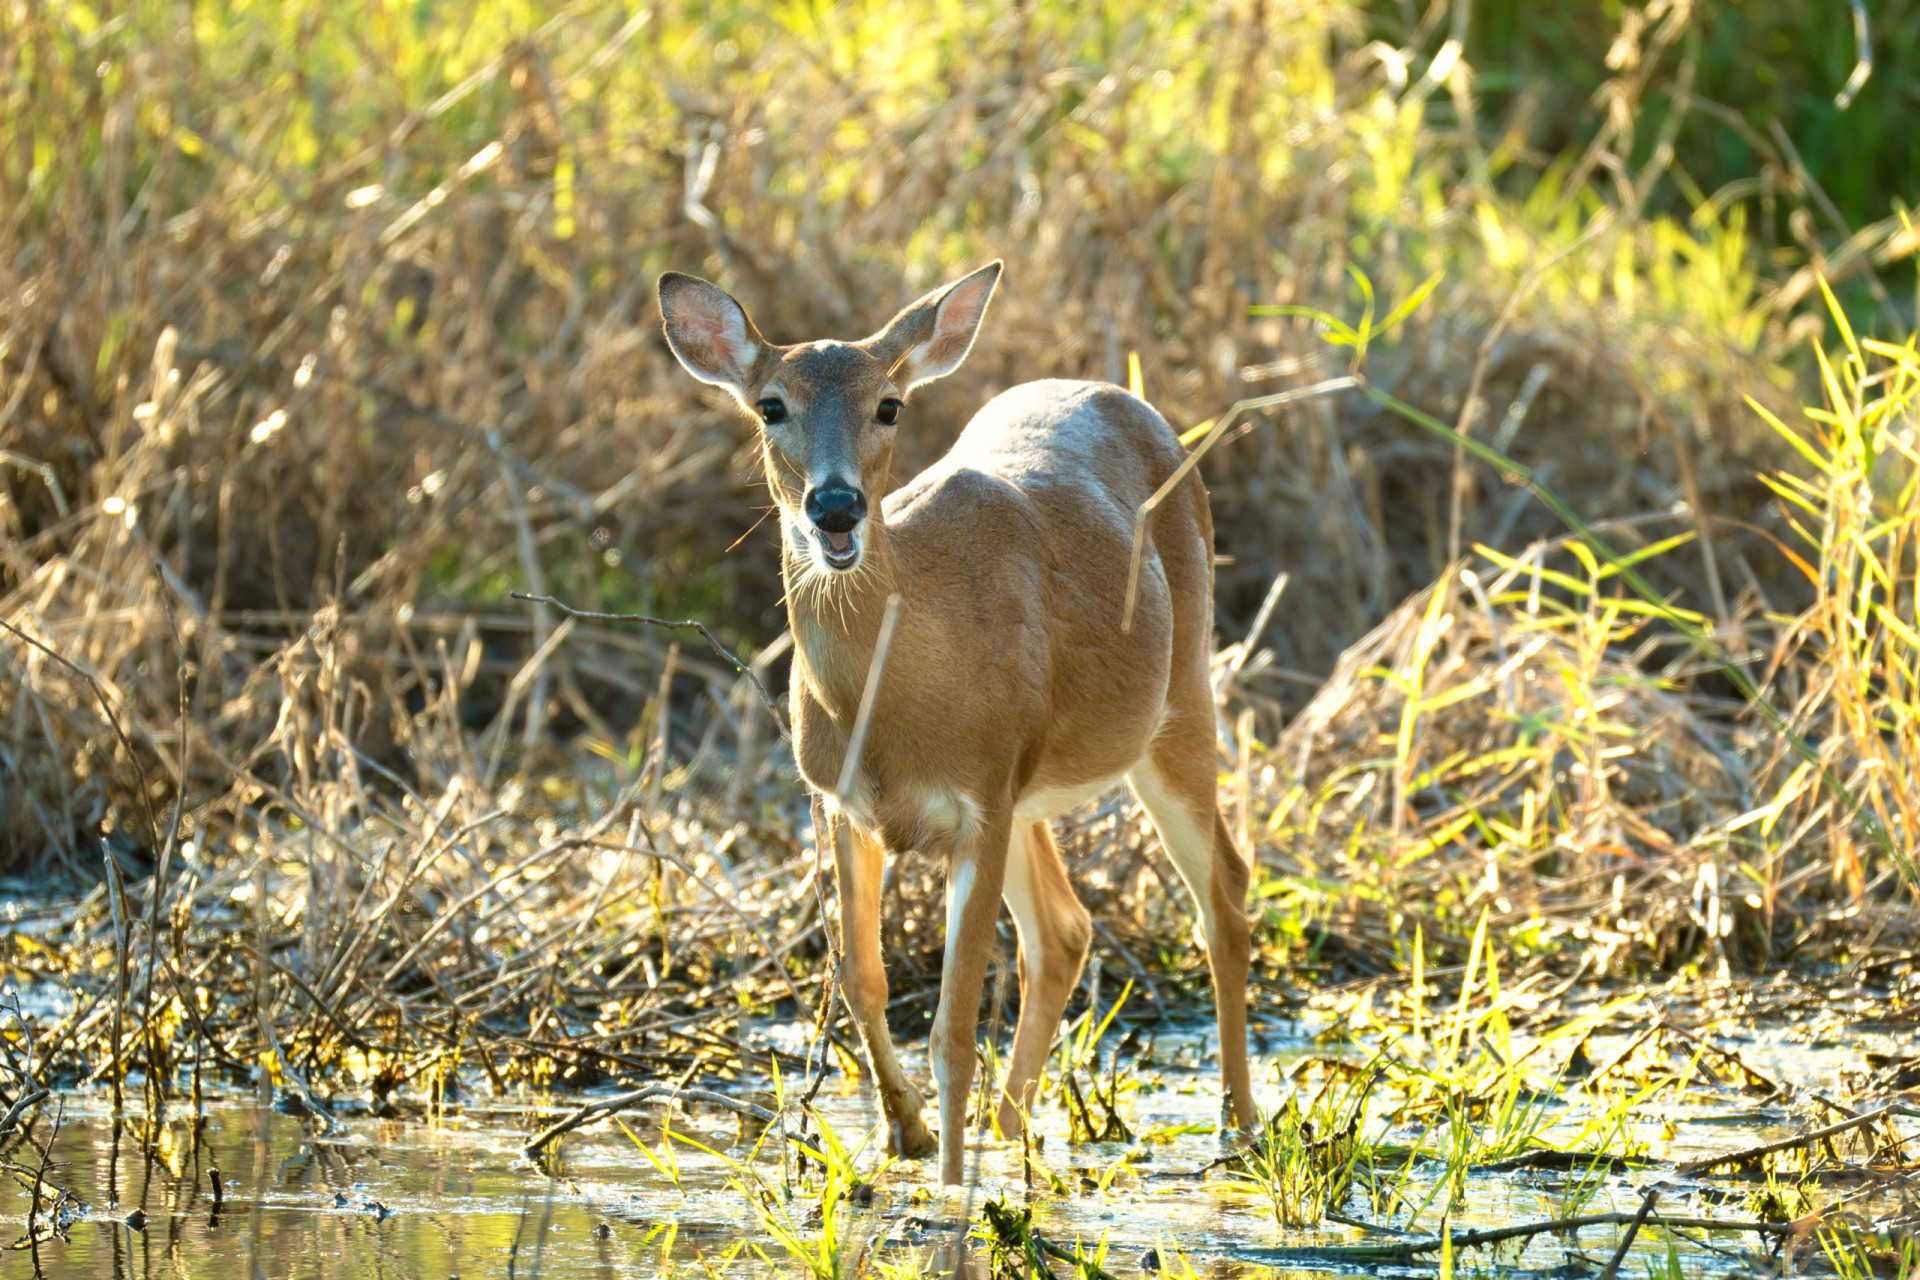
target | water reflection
[{"x": 248, "y": 1193}]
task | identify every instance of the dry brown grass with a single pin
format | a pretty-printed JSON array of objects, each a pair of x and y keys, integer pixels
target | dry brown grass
[{"x": 448, "y": 301}]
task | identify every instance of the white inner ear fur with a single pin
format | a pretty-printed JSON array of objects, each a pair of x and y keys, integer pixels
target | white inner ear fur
[
  {"x": 712, "y": 332},
  {"x": 954, "y": 324}
]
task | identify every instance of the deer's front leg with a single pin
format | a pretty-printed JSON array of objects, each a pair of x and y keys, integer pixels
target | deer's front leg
[
  {"x": 976, "y": 867},
  {"x": 861, "y": 859}
]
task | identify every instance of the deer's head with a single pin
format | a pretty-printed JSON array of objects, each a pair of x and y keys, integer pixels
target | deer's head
[{"x": 827, "y": 410}]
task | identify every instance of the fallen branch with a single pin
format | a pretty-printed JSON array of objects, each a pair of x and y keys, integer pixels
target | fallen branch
[
  {"x": 601, "y": 1108},
  {"x": 1192, "y": 460},
  {"x": 1752, "y": 1154},
  {"x": 19, "y": 1109},
  {"x": 1563, "y": 1162},
  {"x": 1633, "y": 1229},
  {"x": 1410, "y": 1250},
  {"x": 1085, "y": 1266}
]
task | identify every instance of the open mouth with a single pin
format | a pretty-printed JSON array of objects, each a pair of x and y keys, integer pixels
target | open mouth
[{"x": 839, "y": 549}]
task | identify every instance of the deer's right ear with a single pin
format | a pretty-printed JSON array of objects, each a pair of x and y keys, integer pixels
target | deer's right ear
[{"x": 708, "y": 331}]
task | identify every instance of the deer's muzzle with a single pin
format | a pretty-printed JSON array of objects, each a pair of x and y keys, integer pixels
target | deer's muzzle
[{"x": 836, "y": 510}]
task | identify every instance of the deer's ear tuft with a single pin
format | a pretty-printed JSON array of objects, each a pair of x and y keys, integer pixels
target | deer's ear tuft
[
  {"x": 708, "y": 331},
  {"x": 932, "y": 337}
]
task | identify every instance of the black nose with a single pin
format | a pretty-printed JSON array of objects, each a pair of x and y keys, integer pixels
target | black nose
[{"x": 836, "y": 508}]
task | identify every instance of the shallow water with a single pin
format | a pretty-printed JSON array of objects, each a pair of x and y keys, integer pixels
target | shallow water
[{"x": 449, "y": 1194}]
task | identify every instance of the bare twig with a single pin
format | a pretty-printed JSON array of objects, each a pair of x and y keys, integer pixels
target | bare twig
[
  {"x": 601, "y": 1108},
  {"x": 1470, "y": 406},
  {"x": 20, "y": 1107},
  {"x": 1751, "y": 1154},
  {"x": 1244, "y": 650},
  {"x": 1805, "y": 178},
  {"x": 113, "y": 722},
  {"x": 682, "y": 624},
  {"x": 876, "y": 666},
  {"x": 1226, "y": 420},
  {"x": 1633, "y": 1229},
  {"x": 1863, "y": 58}
]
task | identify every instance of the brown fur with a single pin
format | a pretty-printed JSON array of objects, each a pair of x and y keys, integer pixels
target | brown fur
[{"x": 1010, "y": 692}]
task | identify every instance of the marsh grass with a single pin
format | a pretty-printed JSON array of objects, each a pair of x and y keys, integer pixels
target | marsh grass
[
  {"x": 305, "y": 369},
  {"x": 1097, "y": 1113},
  {"x": 1305, "y": 1158},
  {"x": 820, "y": 1237},
  {"x": 1853, "y": 1254}
]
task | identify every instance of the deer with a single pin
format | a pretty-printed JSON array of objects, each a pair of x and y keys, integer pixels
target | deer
[{"x": 1010, "y": 692}]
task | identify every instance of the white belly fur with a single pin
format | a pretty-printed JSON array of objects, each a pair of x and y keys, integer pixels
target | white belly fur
[{"x": 1041, "y": 803}]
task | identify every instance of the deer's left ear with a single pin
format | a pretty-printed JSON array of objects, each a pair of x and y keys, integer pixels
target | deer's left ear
[{"x": 932, "y": 337}]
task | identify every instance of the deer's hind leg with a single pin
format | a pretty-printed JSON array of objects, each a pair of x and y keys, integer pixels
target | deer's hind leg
[
  {"x": 1054, "y": 931},
  {"x": 1175, "y": 783},
  {"x": 861, "y": 859}
]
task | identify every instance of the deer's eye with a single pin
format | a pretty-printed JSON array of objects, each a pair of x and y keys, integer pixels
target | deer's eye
[
  {"x": 772, "y": 411},
  {"x": 888, "y": 413}
]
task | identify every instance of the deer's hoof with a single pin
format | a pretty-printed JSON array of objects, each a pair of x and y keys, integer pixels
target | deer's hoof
[
  {"x": 907, "y": 1134},
  {"x": 1238, "y": 1123},
  {"x": 911, "y": 1139}
]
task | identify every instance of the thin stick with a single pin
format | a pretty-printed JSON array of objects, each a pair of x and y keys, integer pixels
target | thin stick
[
  {"x": 1790, "y": 1144},
  {"x": 106, "y": 709},
  {"x": 682, "y": 624},
  {"x": 10, "y": 1005},
  {"x": 857, "y": 741},
  {"x": 600, "y": 1108},
  {"x": 116, "y": 894},
  {"x": 41, "y": 469},
  {"x": 529, "y": 565},
  {"x": 1806, "y": 179},
  {"x": 1260, "y": 620},
  {"x": 1484, "y": 357},
  {"x": 39, "y": 1182},
  {"x": 1633, "y": 1229},
  {"x": 269, "y": 1045},
  {"x": 1192, "y": 460},
  {"x": 26, "y": 1102},
  {"x": 825, "y": 837},
  {"x": 1412, "y": 1249},
  {"x": 156, "y": 1078},
  {"x": 1863, "y": 58},
  {"x": 662, "y": 730},
  {"x": 1702, "y": 521},
  {"x": 1703, "y": 526}
]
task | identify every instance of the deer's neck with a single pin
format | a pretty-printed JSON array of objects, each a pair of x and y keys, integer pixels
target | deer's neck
[{"x": 836, "y": 621}]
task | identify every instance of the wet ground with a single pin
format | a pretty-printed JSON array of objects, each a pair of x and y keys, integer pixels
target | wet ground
[{"x": 448, "y": 1193}]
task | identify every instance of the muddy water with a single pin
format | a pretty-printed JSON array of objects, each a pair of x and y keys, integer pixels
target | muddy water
[{"x": 448, "y": 1194}]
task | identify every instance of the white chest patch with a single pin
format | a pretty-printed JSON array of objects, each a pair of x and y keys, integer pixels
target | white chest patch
[
  {"x": 947, "y": 815},
  {"x": 1041, "y": 803}
]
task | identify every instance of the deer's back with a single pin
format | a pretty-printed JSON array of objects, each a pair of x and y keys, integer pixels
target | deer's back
[
  {"x": 1025, "y": 529},
  {"x": 1085, "y": 450}
]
